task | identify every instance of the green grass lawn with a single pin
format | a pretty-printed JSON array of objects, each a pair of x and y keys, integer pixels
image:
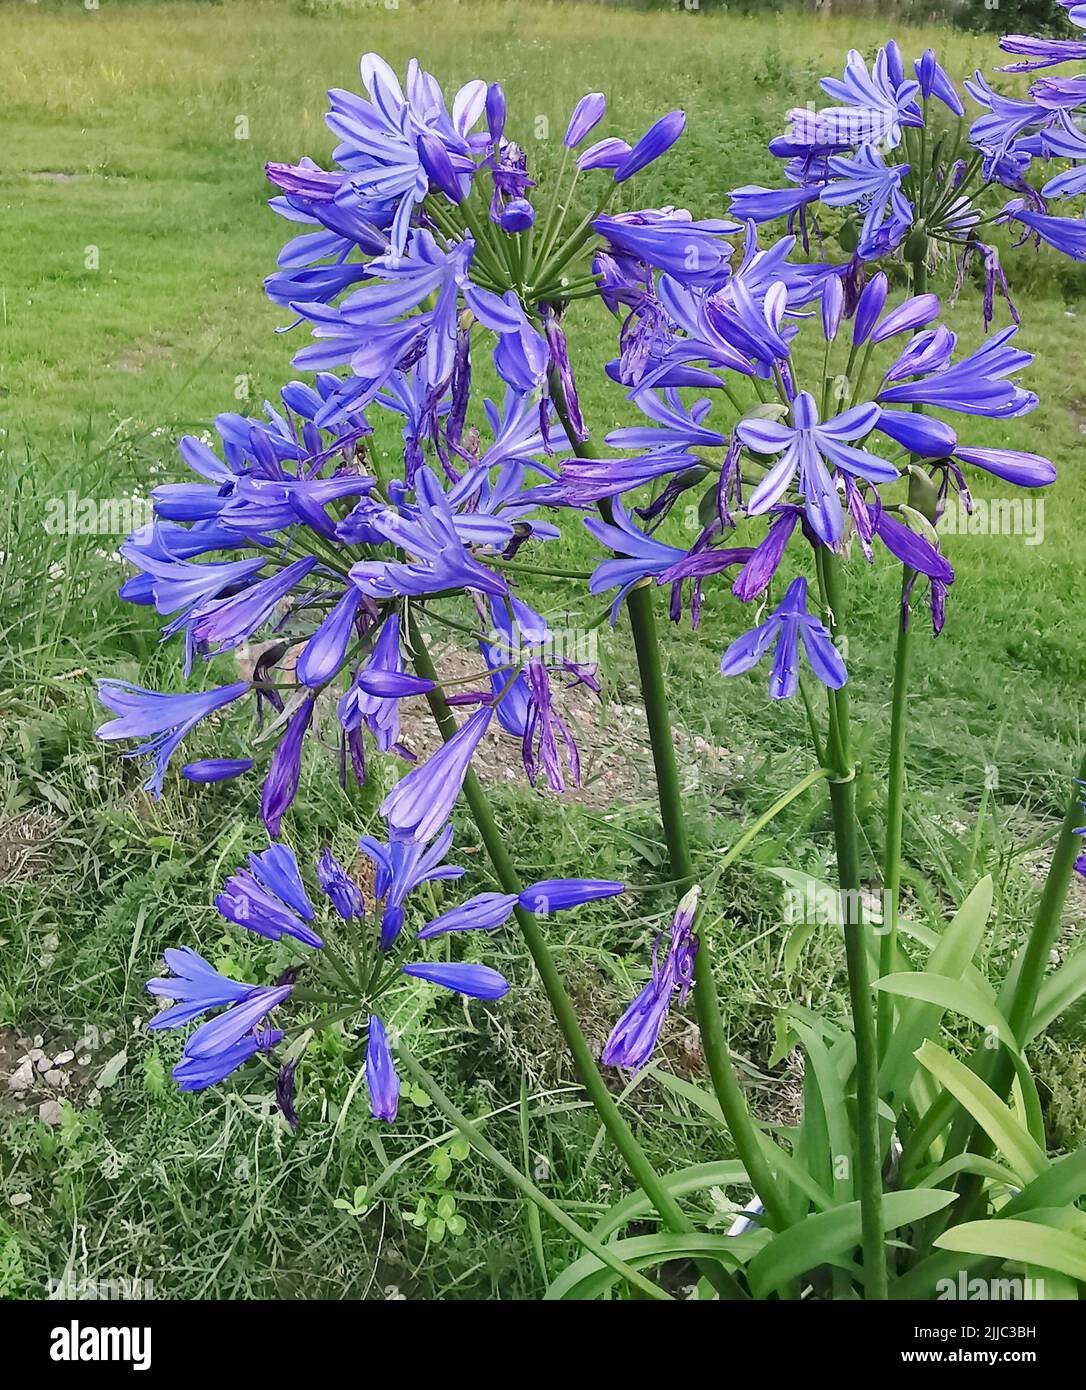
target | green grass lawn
[{"x": 135, "y": 238}]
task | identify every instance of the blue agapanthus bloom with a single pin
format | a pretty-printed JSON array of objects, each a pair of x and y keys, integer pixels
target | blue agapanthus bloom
[
  {"x": 163, "y": 720},
  {"x": 808, "y": 450},
  {"x": 769, "y": 462},
  {"x": 419, "y": 804},
  {"x": 788, "y": 625},
  {"x": 890, "y": 155},
  {"x": 356, "y": 960},
  {"x": 401, "y": 866},
  {"x": 222, "y": 1044},
  {"x": 866, "y": 181},
  {"x": 269, "y": 898},
  {"x": 385, "y": 282}
]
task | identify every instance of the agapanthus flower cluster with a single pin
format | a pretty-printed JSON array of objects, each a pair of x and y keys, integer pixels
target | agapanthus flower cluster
[
  {"x": 772, "y": 460},
  {"x": 307, "y": 547},
  {"x": 304, "y": 541},
  {"x": 353, "y": 963},
  {"x": 895, "y": 154},
  {"x": 895, "y": 161},
  {"x": 430, "y": 236},
  {"x": 1046, "y": 126}
]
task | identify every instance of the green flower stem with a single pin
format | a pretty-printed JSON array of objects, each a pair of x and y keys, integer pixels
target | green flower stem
[
  {"x": 816, "y": 737},
  {"x": 636, "y": 1160},
  {"x": 726, "y": 1086},
  {"x": 523, "y": 1184},
  {"x": 843, "y": 806},
  {"x": 895, "y": 815},
  {"x": 895, "y": 786}
]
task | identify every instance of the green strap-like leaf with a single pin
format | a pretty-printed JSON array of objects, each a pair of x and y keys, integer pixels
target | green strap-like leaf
[
  {"x": 1059, "y": 992},
  {"x": 699, "y": 1177},
  {"x": 785, "y": 1166},
  {"x": 589, "y": 1278},
  {"x": 967, "y": 1163},
  {"x": 703, "y": 1100},
  {"x": 829, "y": 1236},
  {"x": 1013, "y": 1141},
  {"x": 960, "y": 996},
  {"x": 1060, "y": 1185},
  {"x": 831, "y": 1089},
  {"x": 950, "y": 956},
  {"x": 1023, "y": 1241}
]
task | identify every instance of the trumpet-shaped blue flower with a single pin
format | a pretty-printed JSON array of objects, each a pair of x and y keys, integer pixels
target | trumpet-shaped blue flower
[
  {"x": 1065, "y": 234},
  {"x": 806, "y": 448},
  {"x": 476, "y": 981},
  {"x": 215, "y": 769},
  {"x": 195, "y": 986},
  {"x": 639, "y": 556},
  {"x": 362, "y": 704},
  {"x": 401, "y": 866},
  {"x": 484, "y": 912},
  {"x": 789, "y": 622},
  {"x": 669, "y": 239},
  {"x": 867, "y": 180},
  {"x": 230, "y": 621},
  {"x": 420, "y": 803},
  {"x": 934, "y": 82},
  {"x": 269, "y": 898},
  {"x": 977, "y": 385},
  {"x": 874, "y": 106},
  {"x": 381, "y": 1078},
  {"x": 196, "y": 1072},
  {"x": 434, "y": 535},
  {"x": 224, "y": 1043},
  {"x": 281, "y": 783},
  {"x": 657, "y": 140},
  {"x": 167, "y": 719},
  {"x": 345, "y": 895},
  {"x": 1040, "y": 52},
  {"x": 559, "y": 894}
]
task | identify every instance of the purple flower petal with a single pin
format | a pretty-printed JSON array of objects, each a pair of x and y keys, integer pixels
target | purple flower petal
[{"x": 477, "y": 981}]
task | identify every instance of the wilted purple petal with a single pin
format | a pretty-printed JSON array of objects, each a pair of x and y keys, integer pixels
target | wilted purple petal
[{"x": 281, "y": 783}]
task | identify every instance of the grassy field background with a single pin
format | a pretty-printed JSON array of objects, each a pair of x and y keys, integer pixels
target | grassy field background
[{"x": 121, "y": 132}]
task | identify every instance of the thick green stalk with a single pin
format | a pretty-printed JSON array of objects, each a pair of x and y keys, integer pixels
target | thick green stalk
[
  {"x": 895, "y": 787},
  {"x": 636, "y": 1160},
  {"x": 729, "y": 1094},
  {"x": 843, "y": 807},
  {"x": 895, "y": 812},
  {"x": 523, "y": 1184},
  {"x": 726, "y": 1086}
]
